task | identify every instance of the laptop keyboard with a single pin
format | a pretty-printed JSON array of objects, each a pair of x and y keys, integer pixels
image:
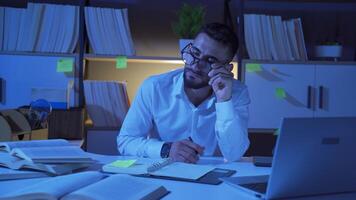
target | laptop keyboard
[{"x": 258, "y": 187}]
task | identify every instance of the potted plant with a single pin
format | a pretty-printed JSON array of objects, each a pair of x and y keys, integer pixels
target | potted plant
[{"x": 190, "y": 20}]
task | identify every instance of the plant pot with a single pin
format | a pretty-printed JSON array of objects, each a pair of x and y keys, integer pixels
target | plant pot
[{"x": 184, "y": 42}]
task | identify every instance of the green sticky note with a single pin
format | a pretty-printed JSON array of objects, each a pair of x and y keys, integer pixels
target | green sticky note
[
  {"x": 123, "y": 163},
  {"x": 280, "y": 93},
  {"x": 65, "y": 65},
  {"x": 253, "y": 67},
  {"x": 121, "y": 62},
  {"x": 276, "y": 132}
]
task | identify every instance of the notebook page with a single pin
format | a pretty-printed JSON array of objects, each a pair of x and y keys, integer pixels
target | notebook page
[{"x": 183, "y": 170}]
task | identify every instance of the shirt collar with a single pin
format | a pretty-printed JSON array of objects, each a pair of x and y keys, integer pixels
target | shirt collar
[{"x": 178, "y": 88}]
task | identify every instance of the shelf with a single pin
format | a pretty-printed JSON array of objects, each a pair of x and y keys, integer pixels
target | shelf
[
  {"x": 24, "y": 53},
  {"x": 135, "y": 59},
  {"x": 138, "y": 59},
  {"x": 282, "y": 6},
  {"x": 118, "y": 4},
  {"x": 299, "y": 62},
  {"x": 63, "y": 2}
]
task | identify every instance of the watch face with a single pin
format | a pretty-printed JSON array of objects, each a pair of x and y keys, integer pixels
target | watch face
[{"x": 165, "y": 150}]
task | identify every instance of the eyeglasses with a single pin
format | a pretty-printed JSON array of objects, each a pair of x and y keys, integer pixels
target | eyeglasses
[{"x": 191, "y": 54}]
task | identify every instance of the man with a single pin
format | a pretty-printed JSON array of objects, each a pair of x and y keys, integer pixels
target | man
[{"x": 196, "y": 111}]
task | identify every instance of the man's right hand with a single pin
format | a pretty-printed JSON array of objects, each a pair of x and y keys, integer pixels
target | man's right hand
[{"x": 185, "y": 151}]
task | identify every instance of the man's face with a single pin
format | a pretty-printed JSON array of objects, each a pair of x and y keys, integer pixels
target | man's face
[{"x": 207, "y": 51}]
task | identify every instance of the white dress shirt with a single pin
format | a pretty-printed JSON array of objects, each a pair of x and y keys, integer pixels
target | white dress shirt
[{"x": 161, "y": 112}]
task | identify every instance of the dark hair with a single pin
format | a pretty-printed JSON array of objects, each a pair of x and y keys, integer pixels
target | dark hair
[{"x": 221, "y": 33}]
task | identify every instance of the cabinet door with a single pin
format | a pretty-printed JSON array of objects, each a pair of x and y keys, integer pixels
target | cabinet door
[
  {"x": 277, "y": 91},
  {"x": 336, "y": 92}
]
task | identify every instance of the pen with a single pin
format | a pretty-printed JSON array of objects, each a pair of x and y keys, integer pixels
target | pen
[{"x": 190, "y": 139}]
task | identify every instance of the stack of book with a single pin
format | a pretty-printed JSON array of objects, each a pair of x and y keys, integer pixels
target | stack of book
[
  {"x": 109, "y": 31},
  {"x": 106, "y": 102},
  {"x": 39, "y": 28},
  {"x": 271, "y": 38},
  {"x": 36, "y": 158}
]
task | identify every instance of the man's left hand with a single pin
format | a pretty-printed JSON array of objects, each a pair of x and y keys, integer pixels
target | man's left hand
[{"x": 221, "y": 81}]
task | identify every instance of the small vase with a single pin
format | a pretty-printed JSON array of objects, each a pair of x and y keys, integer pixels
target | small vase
[{"x": 328, "y": 51}]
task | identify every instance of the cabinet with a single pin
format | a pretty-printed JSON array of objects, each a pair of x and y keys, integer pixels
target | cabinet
[
  {"x": 102, "y": 140},
  {"x": 312, "y": 89},
  {"x": 336, "y": 93},
  {"x": 67, "y": 124}
]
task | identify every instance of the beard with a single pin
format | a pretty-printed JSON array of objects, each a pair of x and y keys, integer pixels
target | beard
[{"x": 195, "y": 79}]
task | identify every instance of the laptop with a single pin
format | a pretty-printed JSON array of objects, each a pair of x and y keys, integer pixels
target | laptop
[{"x": 313, "y": 156}]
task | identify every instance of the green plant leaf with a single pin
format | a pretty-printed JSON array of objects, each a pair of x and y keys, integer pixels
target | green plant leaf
[{"x": 190, "y": 20}]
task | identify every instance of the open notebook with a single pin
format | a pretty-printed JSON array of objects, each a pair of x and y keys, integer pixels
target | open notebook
[{"x": 161, "y": 167}]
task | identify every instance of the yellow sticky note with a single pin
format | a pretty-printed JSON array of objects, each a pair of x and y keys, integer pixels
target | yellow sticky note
[
  {"x": 121, "y": 62},
  {"x": 253, "y": 67},
  {"x": 123, "y": 163},
  {"x": 65, "y": 65},
  {"x": 280, "y": 93}
]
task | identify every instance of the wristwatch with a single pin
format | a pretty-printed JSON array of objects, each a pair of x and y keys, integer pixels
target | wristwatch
[{"x": 166, "y": 148}]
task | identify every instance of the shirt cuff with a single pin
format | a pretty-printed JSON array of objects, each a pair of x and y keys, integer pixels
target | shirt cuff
[
  {"x": 224, "y": 111},
  {"x": 154, "y": 149}
]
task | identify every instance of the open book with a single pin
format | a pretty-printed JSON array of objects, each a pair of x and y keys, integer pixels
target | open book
[
  {"x": 8, "y": 174},
  {"x": 89, "y": 185},
  {"x": 8, "y": 146},
  {"x": 46, "y": 151},
  {"x": 42, "y": 156},
  {"x": 161, "y": 167},
  {"x": 13, "y": 162}
]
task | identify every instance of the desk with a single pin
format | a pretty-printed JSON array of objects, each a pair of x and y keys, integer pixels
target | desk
[{"x": 185, "y": 190}]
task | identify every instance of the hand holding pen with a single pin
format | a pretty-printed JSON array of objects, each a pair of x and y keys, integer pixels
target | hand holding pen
[{"x": 186, "y": 151}]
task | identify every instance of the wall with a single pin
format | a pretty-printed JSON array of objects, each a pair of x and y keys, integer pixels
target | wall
[{"x": 134, "y": 74}]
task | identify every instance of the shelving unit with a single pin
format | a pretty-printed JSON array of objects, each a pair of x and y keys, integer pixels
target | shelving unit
[
  {"x": 286, "y": 8},
  {"x": 262, "y": 91},
  {"x": 78, "y": 71}
]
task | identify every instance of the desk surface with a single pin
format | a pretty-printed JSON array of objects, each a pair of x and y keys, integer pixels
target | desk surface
[{"x": 186, "y": 190}]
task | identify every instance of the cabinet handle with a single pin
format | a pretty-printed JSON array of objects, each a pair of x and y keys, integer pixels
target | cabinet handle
[
  {"x": 309, "y": 96},
  {"x": 321, "y": 102}
]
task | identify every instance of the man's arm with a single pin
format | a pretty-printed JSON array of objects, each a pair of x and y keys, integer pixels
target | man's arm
[
  {"x": 133, "y": 137},
  {"x": 231, "y": 126},
  {"x": 231, "y": 112}
]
